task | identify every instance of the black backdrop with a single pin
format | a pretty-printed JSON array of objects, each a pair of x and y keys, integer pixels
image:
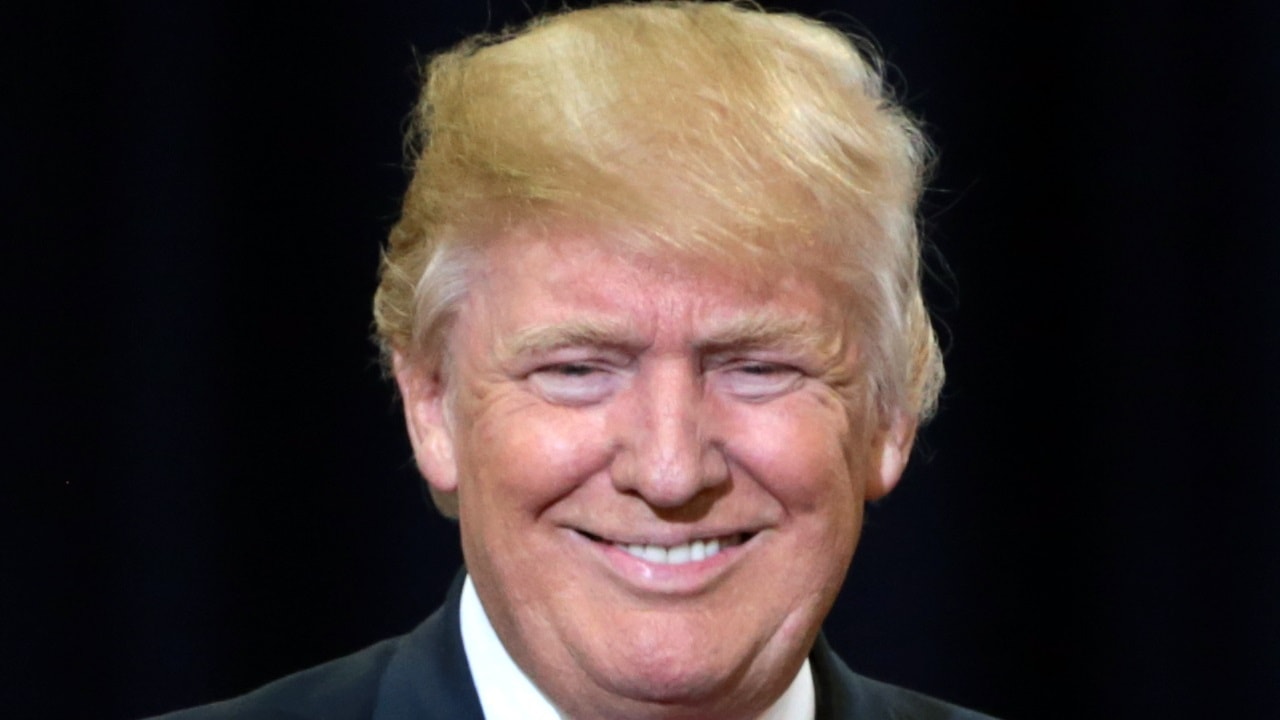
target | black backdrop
[{"x": 205, "y": 482}]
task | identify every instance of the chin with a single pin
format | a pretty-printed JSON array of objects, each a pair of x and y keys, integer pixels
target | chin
[
  {"x": 686, "y": 693},
  {"x": 674, "y": 669},
  {"x": 670, "y": 684}
]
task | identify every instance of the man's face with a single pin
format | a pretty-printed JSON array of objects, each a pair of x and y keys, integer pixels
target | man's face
[{"x": 660, "y": 479}]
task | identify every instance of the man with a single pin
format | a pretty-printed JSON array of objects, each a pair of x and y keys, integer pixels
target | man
[{"x": 653, "y": 309}]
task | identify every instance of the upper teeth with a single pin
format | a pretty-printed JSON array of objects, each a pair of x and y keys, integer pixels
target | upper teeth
[{"x": 677, "y": 554}]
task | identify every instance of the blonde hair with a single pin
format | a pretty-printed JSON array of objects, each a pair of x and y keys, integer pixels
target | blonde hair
[{"x": 704, "y": 128}]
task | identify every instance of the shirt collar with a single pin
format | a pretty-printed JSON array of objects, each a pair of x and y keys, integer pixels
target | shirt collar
[{"x": 506, "y": 693}]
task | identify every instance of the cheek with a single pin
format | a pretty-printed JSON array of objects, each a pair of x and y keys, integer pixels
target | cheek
[
  {"x": 798, "y": 451},
  {"x": 531, "y": 453}
]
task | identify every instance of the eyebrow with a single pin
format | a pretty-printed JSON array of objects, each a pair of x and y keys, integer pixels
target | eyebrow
[
  {"x": 762, "y": 330},
  {"x": 583, "y": 332},
  {"x": 743, "y": 332},
  {"x": 827, "y": 346}
]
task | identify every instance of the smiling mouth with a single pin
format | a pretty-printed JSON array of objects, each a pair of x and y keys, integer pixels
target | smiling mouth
[{"x": 688, "y": 552}]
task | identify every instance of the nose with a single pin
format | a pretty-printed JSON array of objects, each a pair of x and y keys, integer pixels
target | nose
[{"x": 669, "y": 453}]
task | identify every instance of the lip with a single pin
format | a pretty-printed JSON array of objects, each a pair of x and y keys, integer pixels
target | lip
[{"x": 662, "y": 579}]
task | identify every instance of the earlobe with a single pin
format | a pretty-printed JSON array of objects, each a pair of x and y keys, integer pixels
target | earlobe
[
  {"x": 422, "y": 391},
  {"x": 895, "y": 450}
]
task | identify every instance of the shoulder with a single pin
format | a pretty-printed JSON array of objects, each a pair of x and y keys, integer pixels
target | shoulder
[
  {"x": 342, "y": 689},
  {"x": 844, "y": 695},
  {"x": 895, "y": 703},
  {"x": 422, "y": 674}
]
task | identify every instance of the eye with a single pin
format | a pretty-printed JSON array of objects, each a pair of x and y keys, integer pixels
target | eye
[
  {"x": 574, "y": 383},
  {"x": 572, "y": 369},
  {"x": 759, "y": 380}
]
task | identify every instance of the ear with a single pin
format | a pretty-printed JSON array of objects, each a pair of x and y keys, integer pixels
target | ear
[
  {"x": 895, "y": 449},
  {"x": 422, "y": 390}
]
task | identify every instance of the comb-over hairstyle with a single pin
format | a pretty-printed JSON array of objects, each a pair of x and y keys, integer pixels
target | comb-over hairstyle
[{"x": 712, "y": 130}]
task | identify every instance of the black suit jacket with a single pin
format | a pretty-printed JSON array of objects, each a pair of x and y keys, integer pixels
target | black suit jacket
[{"x": 424, "y": 676}]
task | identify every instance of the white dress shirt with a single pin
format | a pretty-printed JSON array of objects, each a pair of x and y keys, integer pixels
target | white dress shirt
[{"x": 506, "y": 693}]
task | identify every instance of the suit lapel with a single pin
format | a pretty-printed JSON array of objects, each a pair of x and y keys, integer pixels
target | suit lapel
[{"x": 428, "y": 678}]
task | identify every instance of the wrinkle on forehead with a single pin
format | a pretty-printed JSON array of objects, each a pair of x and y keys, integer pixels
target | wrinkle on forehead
[
  {"x": 730, "y": 308},
  {"x": 753, "y": 330}
]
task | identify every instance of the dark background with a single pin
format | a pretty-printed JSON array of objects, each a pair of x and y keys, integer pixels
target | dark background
[{"x": 205, "y": 482}]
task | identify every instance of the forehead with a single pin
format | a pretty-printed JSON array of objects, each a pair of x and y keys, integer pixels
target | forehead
[{"x": 523, "y": 284}]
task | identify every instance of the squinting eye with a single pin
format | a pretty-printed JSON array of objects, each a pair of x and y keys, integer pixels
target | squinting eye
[
  {"x": 573, "y": 369},
  {"x": 760, "y": 380},
  {"x": 573, "y": 383}
]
